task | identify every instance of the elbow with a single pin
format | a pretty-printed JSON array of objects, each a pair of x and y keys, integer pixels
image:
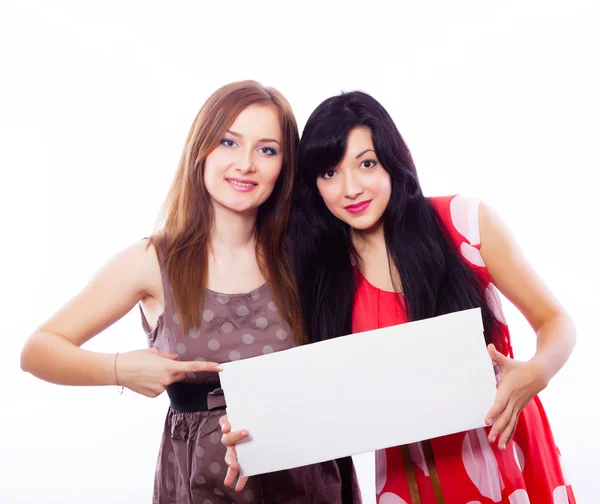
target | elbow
[
  {"x": 28, "y": 354},
  {"x": 568, "y": 329},
  {"x": 26, "y": 358}
]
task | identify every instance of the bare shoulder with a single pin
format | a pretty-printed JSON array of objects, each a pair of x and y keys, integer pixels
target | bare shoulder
[
  {"x": 130, "y": 276},
  {"x": 141, "y": 260},
  {"x": 512, "y": 273},
  {"x": 495, "y": 234}
]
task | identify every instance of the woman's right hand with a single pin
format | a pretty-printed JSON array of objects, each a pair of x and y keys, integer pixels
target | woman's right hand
[
  {"x": 229, "y": 439},
  {"x": 150, "y": 371},
  {"x": 53, "y": 352}
]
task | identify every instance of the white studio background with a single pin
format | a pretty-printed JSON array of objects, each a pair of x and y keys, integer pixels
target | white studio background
[{"x": 497, "y": 100}]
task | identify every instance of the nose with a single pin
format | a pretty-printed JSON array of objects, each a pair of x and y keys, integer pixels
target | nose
[
  {"x": 245, "y": 163},
  {"x": 352, "y": 186}
]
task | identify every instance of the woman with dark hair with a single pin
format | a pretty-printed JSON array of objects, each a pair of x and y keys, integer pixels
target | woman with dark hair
[
  {"x": 212, "y": 284},
  {"x": 370, "y": 251}
]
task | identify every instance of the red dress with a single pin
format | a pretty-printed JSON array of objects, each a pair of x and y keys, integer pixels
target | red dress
[{"x": 464, "y": 468}]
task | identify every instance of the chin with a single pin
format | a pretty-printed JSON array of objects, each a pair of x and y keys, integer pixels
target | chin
[
  {"x": 361, "y": 227},
  {"x": 363, "y": 223},
  {"x": 238, "y": 206},
  {"x": 359, "y": 224}
]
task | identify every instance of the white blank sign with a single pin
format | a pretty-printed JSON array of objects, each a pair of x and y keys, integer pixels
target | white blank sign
[{"x": 360, "y": 392}]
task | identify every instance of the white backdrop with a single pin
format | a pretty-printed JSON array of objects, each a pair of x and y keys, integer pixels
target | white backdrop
[{"x": 496, "y": 100}]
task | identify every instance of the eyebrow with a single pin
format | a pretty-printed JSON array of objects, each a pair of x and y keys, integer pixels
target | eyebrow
[
  {"x": 363, "y": 152},
  {"x": 238, "y": 135}
]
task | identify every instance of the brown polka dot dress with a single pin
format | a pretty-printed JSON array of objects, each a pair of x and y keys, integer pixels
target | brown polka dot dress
[{"x": 191, "y": 462}]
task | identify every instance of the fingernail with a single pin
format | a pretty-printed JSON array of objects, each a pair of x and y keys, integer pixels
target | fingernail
[
  {"x": 219, "y": 368},
  {"x": 494, "y": 438},
  {"x": 504, "y": 446},
  {"x": 489, "y": 421}
]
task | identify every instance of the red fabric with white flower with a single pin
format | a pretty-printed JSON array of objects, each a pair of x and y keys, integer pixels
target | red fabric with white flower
[{"x": 470, "y": 469}]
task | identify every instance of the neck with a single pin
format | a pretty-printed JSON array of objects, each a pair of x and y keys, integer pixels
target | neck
[
  {"x": 366, "y": 240},
  {"x": 232, "y": 230}
]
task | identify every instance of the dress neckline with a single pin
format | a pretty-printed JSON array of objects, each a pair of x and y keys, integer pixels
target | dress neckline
[
  {"x": 241, "y": 294},
  {"x": 370, "y": 285}
]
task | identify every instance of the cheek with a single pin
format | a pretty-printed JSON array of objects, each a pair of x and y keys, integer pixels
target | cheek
[
  {"x": 386, "y": 189},
  {"x": 207, "y": 172},
  {"x": 210, "y": 178},
  {"x": 328, "y": 193},
  {"x": 270, "y": 171},
  {"x": 211, "y": 166},
  {"x": 381, "y": 186}
]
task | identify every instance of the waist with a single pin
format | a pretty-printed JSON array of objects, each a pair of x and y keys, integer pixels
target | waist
[{"x": 190, "y": 397}]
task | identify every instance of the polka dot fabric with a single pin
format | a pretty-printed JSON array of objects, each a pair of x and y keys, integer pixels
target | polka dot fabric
[
  {"x": 469, "y": 470},
  {"x": 191, "y": 462},
  {"x": 233, "y": 327}
]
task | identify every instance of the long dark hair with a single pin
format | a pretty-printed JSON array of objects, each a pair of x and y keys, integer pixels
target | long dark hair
[{"x": 435, "y": 278}]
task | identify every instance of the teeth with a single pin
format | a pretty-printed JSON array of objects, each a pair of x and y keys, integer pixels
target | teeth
[{"x": 240, "y": 184}]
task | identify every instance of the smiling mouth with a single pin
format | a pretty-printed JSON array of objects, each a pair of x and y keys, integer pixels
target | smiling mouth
[
  {"x": 358, "y": 207},
  {"x": 241, "y": 183}
]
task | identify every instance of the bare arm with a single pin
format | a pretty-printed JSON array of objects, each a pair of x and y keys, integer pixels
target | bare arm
[
  {"x": 53, "y": 352},
  {"x": 522, "y": 381},
  {"x": 517, "y": 280}
]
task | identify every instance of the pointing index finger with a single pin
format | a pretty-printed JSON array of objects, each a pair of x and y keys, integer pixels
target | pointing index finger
[{"x": 197, "y": 366}]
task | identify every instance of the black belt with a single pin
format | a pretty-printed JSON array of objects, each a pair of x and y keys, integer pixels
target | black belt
[{"x": 190, "y": 397}]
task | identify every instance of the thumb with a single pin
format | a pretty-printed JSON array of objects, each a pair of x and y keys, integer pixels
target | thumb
[{"x": 496, "y": 356}]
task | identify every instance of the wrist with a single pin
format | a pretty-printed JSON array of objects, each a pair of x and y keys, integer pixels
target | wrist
[
  {"x": 106, "y": 369},
  {"x": 541, "y": 370}
]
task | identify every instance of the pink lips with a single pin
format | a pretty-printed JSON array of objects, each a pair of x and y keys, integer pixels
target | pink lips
[
  {"x": 358, "y": 207},
  {"x": 242, "y": 185}
]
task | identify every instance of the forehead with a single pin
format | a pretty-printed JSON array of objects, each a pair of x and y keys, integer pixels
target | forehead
[
  {"x": 258, "y": 121},
  {"x": 359, "y": 139}
]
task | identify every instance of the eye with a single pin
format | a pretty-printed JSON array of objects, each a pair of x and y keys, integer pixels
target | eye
[
  {"x": 228, "y": 143},
  {"x": 269, "y": 151},
  {"x": 369, "y": 163},
  {"x": 328, "y": 174}
]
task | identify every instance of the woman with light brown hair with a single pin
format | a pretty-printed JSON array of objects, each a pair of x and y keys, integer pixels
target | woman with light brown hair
[{"x": 214, "y": 284}]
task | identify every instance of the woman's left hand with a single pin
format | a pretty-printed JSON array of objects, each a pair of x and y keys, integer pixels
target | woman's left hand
[
  {"x": 521, "y": 382},
  {"x": 230, "y": 439}
]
